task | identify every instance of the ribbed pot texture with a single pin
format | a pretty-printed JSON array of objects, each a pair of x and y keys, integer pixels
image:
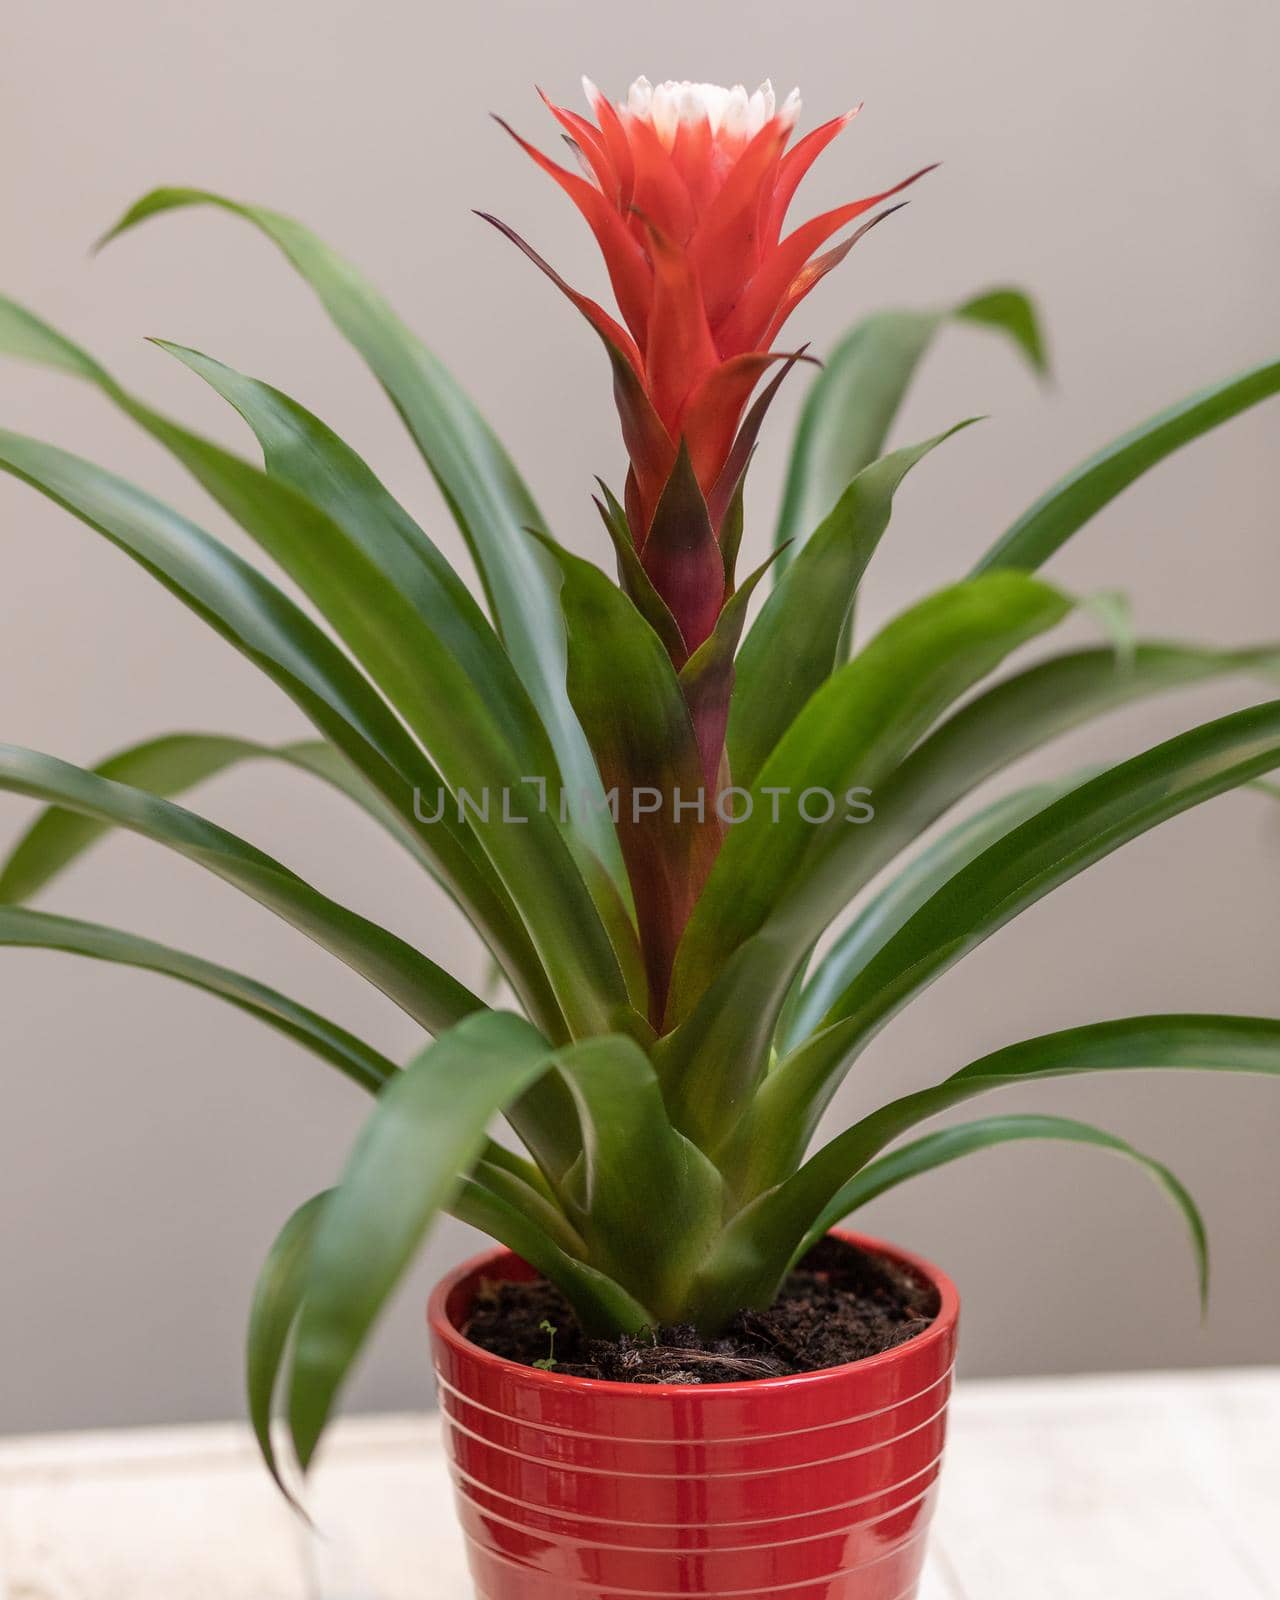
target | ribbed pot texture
[{"x": 818, "y": 1487}]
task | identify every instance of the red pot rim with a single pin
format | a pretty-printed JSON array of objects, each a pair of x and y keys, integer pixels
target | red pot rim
[{"x": 942, "y": 1327}]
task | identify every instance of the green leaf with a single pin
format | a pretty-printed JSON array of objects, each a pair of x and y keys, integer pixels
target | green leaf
[
  {"x": 794, "y": 645},
  {"x": 628, "y": 699},
  {"x": 1010, "y": 720},
  {"x": 443, "y": 704},
  {"x": 41, "y": 930},
  {"x": 754, "y": 1252},
  {"x": 299, "y": 450},
  {"x": 277, "y": 1300},
  {"x": 169, "y": 766},
  {"x": 411, "y": 622},
  {"x": 326, "y": 762},
  {"x": 1060, "y": 841},
  {"x": 988, "y": 734},
  {"x": 632, "y": 1153},
  {"x": 166, "y": 766},
  {"x": 1074, "y": 500},
  {"x": 429, "y": 995},
  {"x": 778, "y": 884},
  {"x": 950, "y": 1144},
  {"x": 524, "y": 1190},
  {"x": 1027, "y": 710},
  {"x": 851, "y": 406},
  {"x": 426, "y": 1131},
  {"x": 485, "y": 493},
  {"x": 425, "y": 657},
  {"x": 1009, "y": 311},
  {"x": 260, "y": 621},
  {"x": 603, "y": 1307},
  {"x": 852, "y": 732},
  {"x": 904, "y": 894}
]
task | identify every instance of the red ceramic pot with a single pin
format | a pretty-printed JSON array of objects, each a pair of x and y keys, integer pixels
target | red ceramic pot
[{"x": 819, "y": 1487}]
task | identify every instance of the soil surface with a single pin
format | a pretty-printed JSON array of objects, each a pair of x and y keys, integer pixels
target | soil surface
[{"x": 841, "y": 1304}]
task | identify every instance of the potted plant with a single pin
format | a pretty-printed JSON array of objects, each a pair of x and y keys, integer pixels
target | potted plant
[{"x": 673, "y": 1377}]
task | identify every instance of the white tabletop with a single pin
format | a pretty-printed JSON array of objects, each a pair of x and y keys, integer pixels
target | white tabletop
[{"x": 1160, "y": 1487}]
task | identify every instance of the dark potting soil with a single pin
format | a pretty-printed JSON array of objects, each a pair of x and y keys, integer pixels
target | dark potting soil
[{"x": 841, "y": 1304}]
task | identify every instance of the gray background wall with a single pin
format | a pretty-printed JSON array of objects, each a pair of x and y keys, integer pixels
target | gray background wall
[{"x": 1118, "y": 157}]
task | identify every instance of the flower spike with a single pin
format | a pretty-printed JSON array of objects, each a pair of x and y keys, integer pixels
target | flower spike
[{"x": 686, "y": 189}]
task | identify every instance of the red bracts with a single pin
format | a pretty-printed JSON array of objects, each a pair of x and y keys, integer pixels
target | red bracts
[{"x": 686, "y": 188}]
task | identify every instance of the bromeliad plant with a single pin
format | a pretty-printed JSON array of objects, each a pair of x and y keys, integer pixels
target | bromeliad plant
[{"x": 644, "y": 803}]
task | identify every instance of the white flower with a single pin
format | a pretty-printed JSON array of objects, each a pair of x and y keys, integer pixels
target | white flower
[{"x": 731, "y": 114}]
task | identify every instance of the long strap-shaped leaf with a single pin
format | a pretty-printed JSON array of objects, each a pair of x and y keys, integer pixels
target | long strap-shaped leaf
[
  {"x": 425, "y": 1134},
  {"x": 777, "y": 883},
  {"x": 479, "y": 481},
  {"x": 427, "y": 665},
  {"x": 632, "y": 1153},
  {"x": 281, "y": 1287},
  {"x": 428, "y": 993},
  {"x": 1030, "y": 708},
  {"x": 881, "y": 917},
  {"x": 301, "y": 451},
  {"x": 267, "y": 627},
  {"x": 852, "y": 733},
  {"x": 850, "y": 408},
  {"x": 602, "y": 1306},
  {"x": 758, "y": 1245},
  {"x": 168, "y": 766},
  {"x": 437, "y": 692},
  {"x": 950, "y": 1144},
  {"x": 441, "y": 703},
  {"x": 509, "y": 1176},
  {"x": 986, "y": 735},
  {"x": 996, "y": 728},
  {"x": 793, "y": 646},
  {"x": 1061, "y": 511},
  {"x": 522, "y": 1187},
  {"x": 1036, "y": 857},
  {"x": 273, "y": 1313},
  {"x": 629, "y": 700},
  {"x": 44, "y": 931}
]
